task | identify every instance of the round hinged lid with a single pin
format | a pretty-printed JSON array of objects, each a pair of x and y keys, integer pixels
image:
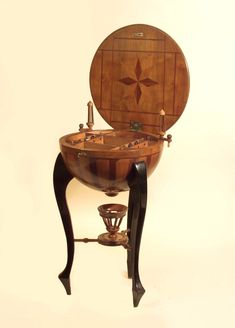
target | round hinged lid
[{"x": 136, "y": 72}]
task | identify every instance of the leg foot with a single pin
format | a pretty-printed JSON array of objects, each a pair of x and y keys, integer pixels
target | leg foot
[
  {"x": 66, "y": 284},
  {"x": 138, "y": 292}
]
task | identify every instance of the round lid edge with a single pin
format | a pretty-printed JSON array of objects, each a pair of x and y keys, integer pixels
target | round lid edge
[{"x": 137, "y": 71}]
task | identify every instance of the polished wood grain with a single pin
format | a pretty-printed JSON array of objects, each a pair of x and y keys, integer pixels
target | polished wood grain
[
  {"x": 105, "y": 165},
  {"x": 137, "y": 71}
]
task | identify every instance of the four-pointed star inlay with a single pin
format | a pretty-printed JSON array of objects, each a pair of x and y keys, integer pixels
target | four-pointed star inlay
[{"x": 146, "y": 82}]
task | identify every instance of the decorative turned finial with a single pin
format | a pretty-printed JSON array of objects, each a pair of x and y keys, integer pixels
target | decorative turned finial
[
  {"x": 162, "y": 122},
  {"x": 90, "y": 120}
]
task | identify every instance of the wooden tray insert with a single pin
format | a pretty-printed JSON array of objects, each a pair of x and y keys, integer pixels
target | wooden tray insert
[{"x": 115, "y": 140}]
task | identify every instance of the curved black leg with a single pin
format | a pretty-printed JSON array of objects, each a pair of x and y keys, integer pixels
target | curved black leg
[
  {"x": 61, "y": 178},
  {"x": 129, "y": 222},
  {"x": 136, "y": 216}
]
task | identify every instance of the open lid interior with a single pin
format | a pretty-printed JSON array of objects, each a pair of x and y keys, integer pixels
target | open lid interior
[{"x": 136, "y": 72}]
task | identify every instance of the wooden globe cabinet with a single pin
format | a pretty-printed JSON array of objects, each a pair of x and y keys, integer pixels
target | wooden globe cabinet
[{"x": 139, "y": 83}]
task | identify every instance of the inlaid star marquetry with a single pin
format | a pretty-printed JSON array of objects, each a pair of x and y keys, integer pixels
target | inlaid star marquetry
[{"x": 147, "y": 82}]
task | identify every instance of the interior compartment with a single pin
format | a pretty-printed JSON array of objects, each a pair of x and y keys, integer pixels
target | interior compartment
[{"x": 111, "y": 140}]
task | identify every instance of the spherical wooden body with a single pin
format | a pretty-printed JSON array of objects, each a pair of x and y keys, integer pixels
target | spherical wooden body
[
  {"x": 139, "y": 80},
  {"x": 102, "y": 159}
]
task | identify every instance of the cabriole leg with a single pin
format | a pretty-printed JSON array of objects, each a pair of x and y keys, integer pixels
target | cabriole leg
[
  {"x": 129, "y": 223},
  {"x": 61, "y": 178},
  {"x": 136, "y": 216}
]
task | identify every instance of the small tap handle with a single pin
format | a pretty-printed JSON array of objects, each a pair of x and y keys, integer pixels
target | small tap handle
[
  {"x": 169, "y": 139},
  {"x": 90, "y": 120}
]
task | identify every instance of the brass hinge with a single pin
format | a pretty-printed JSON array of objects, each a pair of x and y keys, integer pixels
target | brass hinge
[{"x": 135, "y": 126}]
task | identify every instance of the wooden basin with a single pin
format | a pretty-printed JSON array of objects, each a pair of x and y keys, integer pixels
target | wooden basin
[{"x": 102, "y": 159}]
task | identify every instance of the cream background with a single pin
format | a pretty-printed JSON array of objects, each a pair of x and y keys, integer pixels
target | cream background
[{"x": 187, "y": 258}]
